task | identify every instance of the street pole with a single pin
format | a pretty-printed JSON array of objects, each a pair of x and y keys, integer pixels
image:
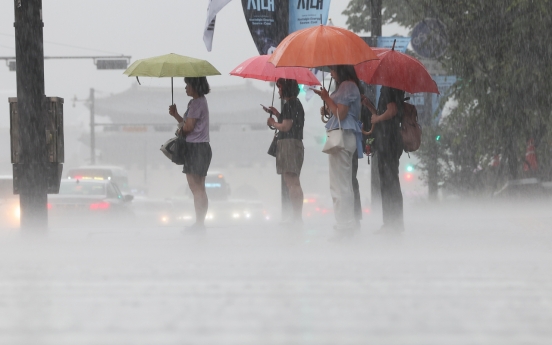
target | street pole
[
  {"x": 287, "y": 211},
  {"x": 432, "y": 174},
  {"x": 375, "y": 20},
  {"x": 433, "y": 167},
  {"x": 375, "y": 186},
  {"x": 92, "y": 129},
  {"x": 31, "y": 107}
]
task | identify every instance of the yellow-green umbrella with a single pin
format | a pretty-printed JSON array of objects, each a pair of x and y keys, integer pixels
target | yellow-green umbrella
[{"x": 171, "y": 65}]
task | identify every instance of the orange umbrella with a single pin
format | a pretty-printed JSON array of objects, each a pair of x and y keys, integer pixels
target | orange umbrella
[{"x": 321, "y": 46}]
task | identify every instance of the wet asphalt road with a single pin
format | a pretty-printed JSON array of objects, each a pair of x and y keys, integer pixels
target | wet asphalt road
[{"x": 461, "y": 274}]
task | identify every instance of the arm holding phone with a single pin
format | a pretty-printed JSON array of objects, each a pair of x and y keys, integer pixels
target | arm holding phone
[
  {"x": 335, "y": 108},
  {"x": 271, "y": 122}
]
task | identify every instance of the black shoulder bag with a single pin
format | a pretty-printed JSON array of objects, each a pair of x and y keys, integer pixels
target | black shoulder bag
[
  {"x": 179, "y": 149},
  {"x": 273, "y": 145}
]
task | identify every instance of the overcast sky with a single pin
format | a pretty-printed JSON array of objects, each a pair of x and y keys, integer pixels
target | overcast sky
[{"x": 138, "y": 28}]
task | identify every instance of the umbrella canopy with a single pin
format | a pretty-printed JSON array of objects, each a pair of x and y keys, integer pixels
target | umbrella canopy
[
  {"x": 171, "y": 65},
  {"x": 259, "y": 68},
  {"x": 397, "y": 70},
  {"x": 321, "y": 46}
]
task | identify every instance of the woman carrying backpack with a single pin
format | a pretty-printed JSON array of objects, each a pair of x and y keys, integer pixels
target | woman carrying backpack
[{"x": 388, "y": 147}]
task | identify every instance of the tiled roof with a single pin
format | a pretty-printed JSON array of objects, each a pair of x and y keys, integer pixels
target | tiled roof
[{"x": 227, "y": 105}]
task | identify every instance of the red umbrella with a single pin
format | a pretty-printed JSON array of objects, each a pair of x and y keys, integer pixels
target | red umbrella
[
  {"x": 396, "y": 70},
  {"x": 259, "y": 68}
]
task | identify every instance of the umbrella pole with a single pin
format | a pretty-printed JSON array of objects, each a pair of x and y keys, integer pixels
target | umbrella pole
[
  {"x": 273, "y": 92},
  {"x": 323, "y": 102},
  {"x": 172, "y": 95}
]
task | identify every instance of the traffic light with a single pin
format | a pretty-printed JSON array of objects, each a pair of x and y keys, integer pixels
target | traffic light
[
  {"x": 111, "y": 63},
  {"x": 437, "y": 137},
  {"x": 409, "y": 175}
]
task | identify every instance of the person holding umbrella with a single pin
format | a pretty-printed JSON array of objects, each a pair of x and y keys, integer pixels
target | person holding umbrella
[
  {"x": 194, "y": 124},
  {"x": 397, "y": 73},
  {"x": 388, "y": 146},
  {"x": 290, "y": 151},
  {"x": 344, "y": 103}
]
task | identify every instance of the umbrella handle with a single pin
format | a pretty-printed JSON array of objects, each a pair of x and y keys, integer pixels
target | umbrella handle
[
  {"x": 272, "y": 127},
  {"x": 370, "y": 131},
  {"x": 273, "y": 91},
  {"x": 172, "y": 94},
  {"x": 326, "y": 117}
]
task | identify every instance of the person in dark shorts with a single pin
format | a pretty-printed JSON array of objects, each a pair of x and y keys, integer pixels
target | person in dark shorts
[
  {"x": 195, "y": 126},
  {"x": 290, "y": 151}
]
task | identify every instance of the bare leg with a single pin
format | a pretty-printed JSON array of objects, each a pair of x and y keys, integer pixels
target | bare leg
[
  {"x": 295, "y": 194},
  {"x": 201, "y": 203}
]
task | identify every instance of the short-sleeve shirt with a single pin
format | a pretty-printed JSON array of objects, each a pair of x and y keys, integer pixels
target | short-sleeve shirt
[
  {"x": 349, "y": 95},
  {"x": 387, "y": 133},
  {"x": 293, "y": 110},
  {"x": 199, "y": 110}
]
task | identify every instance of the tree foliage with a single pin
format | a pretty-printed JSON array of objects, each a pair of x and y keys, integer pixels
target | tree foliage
[{"x": 500, "y": 51}]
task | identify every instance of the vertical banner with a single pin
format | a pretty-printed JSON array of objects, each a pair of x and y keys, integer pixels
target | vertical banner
[
  {"x": 267, "y": 21},
  {"x": 214, "y": 7},
  {"x": 306, "y": 13}
]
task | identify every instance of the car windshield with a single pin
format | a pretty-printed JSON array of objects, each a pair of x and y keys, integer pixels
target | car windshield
[{"x": 82, "y": 188}]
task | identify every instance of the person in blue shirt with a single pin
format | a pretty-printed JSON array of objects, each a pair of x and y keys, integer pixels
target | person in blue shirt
[{"x": 344, "y": 107}]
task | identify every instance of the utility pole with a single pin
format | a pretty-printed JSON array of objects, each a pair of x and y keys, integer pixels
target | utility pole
[
  {"x": 92, "y": 129},
  {"x": 375, "y": 186},
  {"x": 31, "y": 108},
  {"x": 375, "y": 20},
  {"x": 433, "y": 164}
]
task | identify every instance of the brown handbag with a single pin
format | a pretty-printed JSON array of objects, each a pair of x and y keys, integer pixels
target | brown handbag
[{"x": 411, "y": 131}]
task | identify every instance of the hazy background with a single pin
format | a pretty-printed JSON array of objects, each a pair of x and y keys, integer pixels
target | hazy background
[
  {"x": 144, "y": 29},
  {"x": 464, "y": 272}
]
